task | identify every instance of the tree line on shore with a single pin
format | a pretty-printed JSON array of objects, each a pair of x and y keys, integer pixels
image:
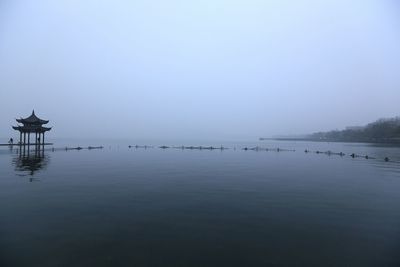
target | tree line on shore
[{"x": 380, "y": 131}]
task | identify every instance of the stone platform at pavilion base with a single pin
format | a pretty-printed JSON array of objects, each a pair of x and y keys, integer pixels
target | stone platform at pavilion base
[{"x": 31, "y": 144}]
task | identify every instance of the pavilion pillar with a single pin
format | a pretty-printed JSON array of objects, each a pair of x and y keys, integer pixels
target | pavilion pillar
[
  {"x": 24, "y": 142},
  {"x": 24, "y": 139},
  {"x": 43, "y": 142},
  {"x": 29, "y": 142},
  {"x": 20, "y": 138}
]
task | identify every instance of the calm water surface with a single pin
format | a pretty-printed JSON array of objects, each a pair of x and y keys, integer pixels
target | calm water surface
[{"x": 152, "y": 207}]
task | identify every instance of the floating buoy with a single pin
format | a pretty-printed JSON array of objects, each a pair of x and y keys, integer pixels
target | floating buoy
[{"x": 386, "y": 159}]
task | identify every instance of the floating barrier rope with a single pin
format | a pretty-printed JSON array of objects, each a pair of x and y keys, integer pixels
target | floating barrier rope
[{"x": 257, "y": 148}]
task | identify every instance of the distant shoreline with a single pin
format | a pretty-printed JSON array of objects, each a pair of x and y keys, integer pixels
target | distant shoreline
[
  {"x": 382, "y": 131},
  {"x": 376, "y": 141}
]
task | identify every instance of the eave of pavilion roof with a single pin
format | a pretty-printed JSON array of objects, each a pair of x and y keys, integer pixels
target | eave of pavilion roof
[
  {"x": 32, "y": 119},
  {"x": 31, "y": 129}
]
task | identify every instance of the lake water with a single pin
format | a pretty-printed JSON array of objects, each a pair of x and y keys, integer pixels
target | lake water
[{"x": 123, "y": 206}]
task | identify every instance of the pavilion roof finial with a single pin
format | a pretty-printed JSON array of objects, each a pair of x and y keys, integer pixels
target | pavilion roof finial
[{"x": 33, "y": 112}]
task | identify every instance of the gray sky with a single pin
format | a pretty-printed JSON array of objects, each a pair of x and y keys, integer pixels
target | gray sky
[{"x": 201, "y": 69}]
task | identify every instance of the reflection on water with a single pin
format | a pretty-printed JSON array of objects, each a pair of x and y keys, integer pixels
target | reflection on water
[
  {"x": 29, "y": 162},
  {"x": 171, "y": 207}
]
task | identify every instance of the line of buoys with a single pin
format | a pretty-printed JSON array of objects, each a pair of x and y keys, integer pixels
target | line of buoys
[
  {"x": 257, "y": 148},
  {"x": 334, "y": 153},
  {"x": 329, "y": 153},
  {"x": 80, "y": 148},
  {"x": 203, "y": 147},
  {"x": 253, "y": 148},
  {"x": 73, "y": 148},
  {"x": 268, "y": 149},
  {"x": 353, "y": 155},
  {"x": 137, "y": 146},
  {"x": 95, "y": 147},
  {"x": 183, "y": 147},
  {"x": 286, "y": 150},
  {"x": 213, "y": 148},
  {"x": 361, "y": 156}
]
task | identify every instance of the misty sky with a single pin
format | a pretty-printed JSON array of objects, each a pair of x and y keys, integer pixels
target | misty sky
[{"x": 198, "y": 69}]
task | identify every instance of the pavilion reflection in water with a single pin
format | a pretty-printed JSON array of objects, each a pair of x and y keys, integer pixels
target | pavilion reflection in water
[
  {"x": 30, "y": 157},
  {"x": 28, "y": 163}
]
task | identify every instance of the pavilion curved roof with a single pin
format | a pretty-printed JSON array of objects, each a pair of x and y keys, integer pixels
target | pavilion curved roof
[
  {"x": 31, "y": 129},
  {"x": 32, "y": 119}
]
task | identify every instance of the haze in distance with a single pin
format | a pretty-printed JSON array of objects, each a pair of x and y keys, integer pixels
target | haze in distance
[{"x": 210, "y": 69}]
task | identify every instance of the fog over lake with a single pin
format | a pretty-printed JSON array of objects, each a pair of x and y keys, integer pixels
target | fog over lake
[
  {"x": 205, "y": 69},
  {"x": 199, "y": 133}
]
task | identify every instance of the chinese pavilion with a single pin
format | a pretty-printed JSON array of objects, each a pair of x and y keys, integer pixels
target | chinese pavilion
[{"x": 33, "y": 125}]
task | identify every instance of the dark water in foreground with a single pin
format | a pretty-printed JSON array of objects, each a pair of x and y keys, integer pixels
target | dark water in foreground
[{"x": 154, "y": 207}]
